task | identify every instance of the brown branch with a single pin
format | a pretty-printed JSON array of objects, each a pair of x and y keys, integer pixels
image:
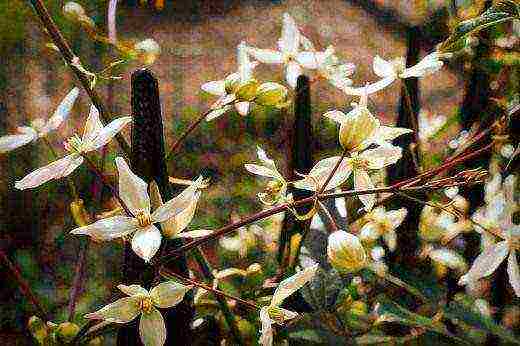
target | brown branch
[
  {"x": 23, "y": 285},
  {"x": 186, "y": 133},
  {"x": 69, "y": 56}
]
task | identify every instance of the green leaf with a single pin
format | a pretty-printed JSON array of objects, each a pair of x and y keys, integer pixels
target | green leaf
[
  {"x": 458, "y": 312},
  {"x": 498, "y": 13}
]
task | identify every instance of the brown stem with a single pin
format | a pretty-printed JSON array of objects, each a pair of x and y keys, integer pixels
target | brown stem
[
  {"x": 69, "y": 56},
  {"x": 185, "y": 134},
  {"x": 23, "y": 285},
  {"x": 329, "y": 217},
  {"x": 329, "y": 178},
  {"x": 169, "y": 274}
]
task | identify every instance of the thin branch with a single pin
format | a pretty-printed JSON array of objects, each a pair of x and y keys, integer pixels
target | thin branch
[
  {"x": 186, "y": 133},
  {"x": 23, "y": 285},
  {"x": 171, "y": 275},
  {"x": 71, "y": 59},
  {"x": 329, "y": 217}
]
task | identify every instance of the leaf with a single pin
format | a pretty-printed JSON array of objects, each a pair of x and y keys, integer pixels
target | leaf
[
  {"x": 498, "y": 13},
  {"x": 459, "y": 312}
]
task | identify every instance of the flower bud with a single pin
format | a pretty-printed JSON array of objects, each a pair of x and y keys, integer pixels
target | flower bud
[
  {"x": 73, "y": 11},
  {"x": 246, "y": 91},
  {"x": 38, "y": 329},
  {"x": 271, "y": 94},
  {"x": 148, "y": 50},
  {"x": 345, "y": 252},
  {"x": 79, "y": 213},
  {"x": 67, "y": 331},
  {"x": 358, "y": 126}
]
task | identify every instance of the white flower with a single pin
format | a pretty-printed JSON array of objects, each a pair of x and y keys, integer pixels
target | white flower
[
  {"x": 144, "y": 303},
  {"x": 238, "y": 88},
  {"x": 244, "y": 240},
  {"x": 449, "y": 258},
  {"x": 94, "y": 137},
  {"x": 276, "y": 188},
  {"x": 429, "y": 125},
  {"x": 321, "y": 170},
  {"x": 274, "y": 313},
  {"x": 345, "y": 252},
  {"x": 39, "y": 127},
  {"x": 331, "y": 68},
  {"x": 133, "y": 191},
  {"x": 382, "y": 223},
  {"x": 489, "y": 260},
  {"x": 148, "y": 50},
  {"x": 289, "y": 52}
]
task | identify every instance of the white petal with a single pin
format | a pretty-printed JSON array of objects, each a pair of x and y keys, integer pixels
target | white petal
[
  {"x": 217, "y": 87},
  {"x": 308, "y": 60},
  {"x": 107, "y": 133},
  {"x": 62, "y": 112},
  {"x": 341, "y": 206},
  {"x": 121, "y": 311},
  {"x": 245, "y": 68},
  {"x": 428, "y": 65},
  {"x": 175, "y": 225},
  {"x": 396, "y": 217},
  {"x": 242, "y": 107},
  {"x": 217, "y": 112},
  {"x": 486, "y": 263},
  {"x": 146, "y": 242},
  {"x": 260, "y": 170},
  {"x": 514, "y": 272},
  {"x": 449, "y": 258},
  {"x": 335, "y": 115},
  {"x": 292, "y": 284},
  {"x": 92, "y": 126},
  {"x": 390, "y": 238},
  {"x": 11, "y": 142},
  {"x": 382, "y": 156},
  {"x": 132, "y": 189},
  {"x": 290, "y": 38},
  {"x": 266, "y": 337},
  {"x": 168, "y": 294},
  {"x": 293, "y": 71},
  {"x": 177, "y": 204},
  {"x": 195, "y": 233},
  {"x": 322, "y": 170},
  {"x": 54, "y": 170},
  {"x": 232, "y": 243},
  {"x": 370, "y": 232},
  {"x": 262, "y": 156},
  {"x": 266, "y": 56},
  {"x": 389, "y": 133},
  {"x": 306, "y": 43},
  {"x": 382, "y": 68},
  {"x": 109, "y": 228},
  {"x": 152, "y": 329},
  {"x": 132, "y": 290},
  {"x": 362, "y": 181}
]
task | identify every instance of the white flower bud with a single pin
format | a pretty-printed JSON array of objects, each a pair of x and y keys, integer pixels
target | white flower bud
[
  {"x": 345, "y": 252},
  {"x": 148, "y": 50},
  {"x": 73, "y": 11},
  {"x": 358, "y": 126},
  {"x": 271, "y": 94}
]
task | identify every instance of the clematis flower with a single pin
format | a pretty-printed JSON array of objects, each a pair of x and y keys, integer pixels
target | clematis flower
[
  {"x": 39, "y": 127},
  {"x": 447, "y": 258},
  {"x": 274, "y": 313},
  {"x": 239, "y": 88},
  {"x": 143, "y": 303},
  {"x": 346, "y": 252},
  {"x": 332, "y": 69},
  {"x": 243, "y": 241},
  {"x": 276, "y": 188},
  {"x": 133, "y": 191},
  {"x": 94, "y": 137},
  {"x": 429, "y": 125},
  {"x": 321, "y": 170},
  {"x": 489, "y": 260},
  {"x": 289, "y": 53},
  {"x": 382, "y": 223}
]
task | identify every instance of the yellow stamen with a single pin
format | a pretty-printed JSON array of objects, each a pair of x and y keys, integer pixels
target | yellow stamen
[{"x": 143, "y": 218}]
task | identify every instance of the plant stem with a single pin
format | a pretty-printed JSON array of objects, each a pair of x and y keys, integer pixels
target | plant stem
[
  {"x": 69, "y": 56},
  {"x": 23, "y": 285},
  {"x": 186, "y": 133},
  {"x": 171, "y": 275},
  {"x": 207, "y": 271}
]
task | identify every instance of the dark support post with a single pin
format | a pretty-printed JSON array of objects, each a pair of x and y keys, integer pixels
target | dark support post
[
  {"x": 409, "y": 106},
  {"x": 147, "y": 161}
]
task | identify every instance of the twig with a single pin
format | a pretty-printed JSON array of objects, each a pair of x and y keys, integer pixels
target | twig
[
  {"x": 185, "y": 134},
  {"x": 23, "y": 285},
  {"x": 171, "y": 275},
  {"x": 71, "y": 59},
  {"x": 329, "y": 217}
]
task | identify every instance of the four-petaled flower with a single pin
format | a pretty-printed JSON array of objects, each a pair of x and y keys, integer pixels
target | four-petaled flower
[
  {"x": 133, "y": 191},
  {"x": 332, "y": 69},
  {"x": 289, "y": 52},
  {"x": 273, "y": 313},
  {"x": 144, "y": 303},
  {"x": 94, "y": 137},
  {"x": 382, "y": 223},
  {"x": 39, "y": 127}
]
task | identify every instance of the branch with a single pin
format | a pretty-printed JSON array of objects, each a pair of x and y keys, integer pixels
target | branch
[
  {"x": 71, "y": 59},
  {"x": 186, "y": 133}
]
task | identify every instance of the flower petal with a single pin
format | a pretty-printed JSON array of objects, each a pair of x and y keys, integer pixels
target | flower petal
[
  {"x": 133, "y": 290},
  {"x": 152, "y": 329},
  {"x": 121, "y": 311},
  {"x": 62, "y": 112},
  {"x": 260, "y": 170},
  {"x": 217, "y": 112},
  {"x": 109, "y": 228},
  {"x": 266, "y": 336},
  {"x": 362, "y": 181},
  {"x": 382, "y": 68},
  {"x": 396, "y": 217},
  {"x": 11, "y": 142},
  {"x": 93, "y": 125},
  {"x": 146, "y": 242},
  {"x": 132, "y": 189},
  {"x": 390, "y": 238},
  {"x": 320, "y": 172},
  {"x": 290, "y": 39},
  {"x": 382, "y": 156},
  {"x": 217, "y": 87},
  {"x": 449, "y": 258},
  {"x": 308, "y": 60},
  {"x": 292, "y": 284},
  {"x": 175, "y": 226},
  {"x": 195, "y": 233},
  {"x": 168, "y": 294},
  {"x": 54, "y": 170},
  {"x": 293, "y": 71},
  {"x": 107, "y": 133},
  {"x": 242, "y": 107},
  {"x": 486, "y": 263},
  {"x": 389, "y": 133},
  {"x": 266, "y": 56},
  {"x": 177, "y": 204},
  {"x": 514, "y": 272},
  {"x": 335, "y": 115}
]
